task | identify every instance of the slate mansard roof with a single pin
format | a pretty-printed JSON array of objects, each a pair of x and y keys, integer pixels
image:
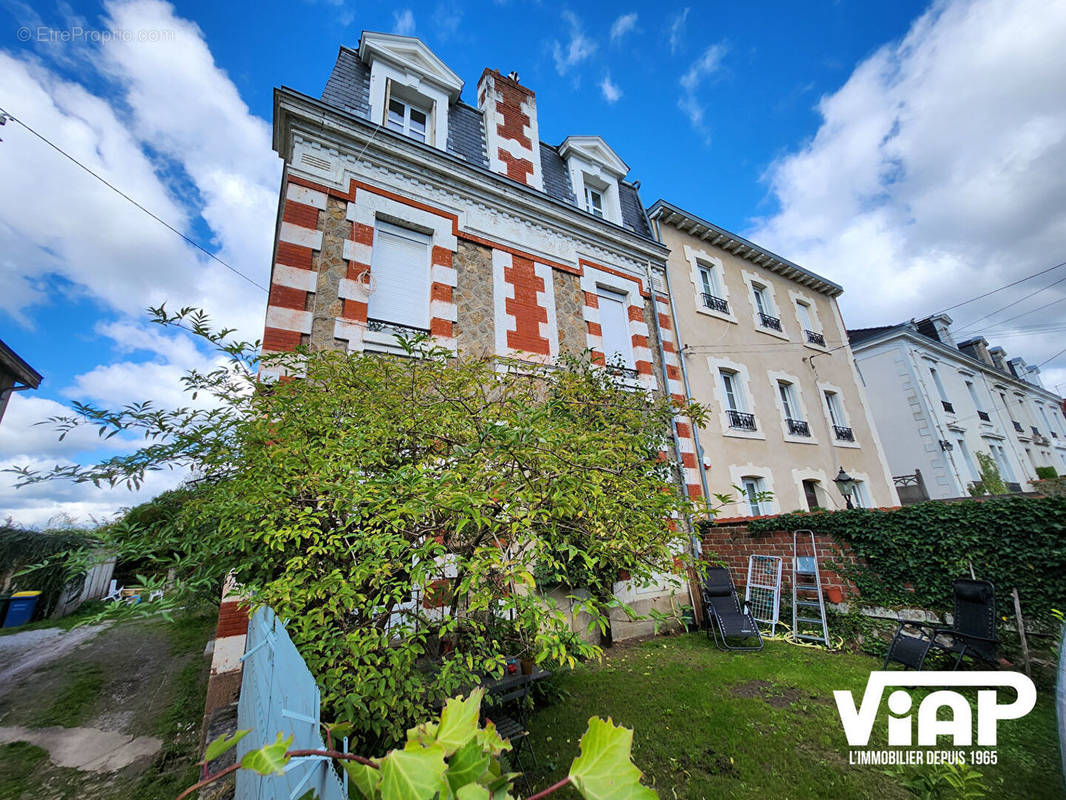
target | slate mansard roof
[{"x": 348, "y": 89}]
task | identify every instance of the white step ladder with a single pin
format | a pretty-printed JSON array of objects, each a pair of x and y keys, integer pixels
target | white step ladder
[{"x": 807, "y": 590}]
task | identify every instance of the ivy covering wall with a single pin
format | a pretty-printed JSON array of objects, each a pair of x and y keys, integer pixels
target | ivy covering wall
[
  {"x": 21, "y": 549},
  {"x": 913, "y": 554}
]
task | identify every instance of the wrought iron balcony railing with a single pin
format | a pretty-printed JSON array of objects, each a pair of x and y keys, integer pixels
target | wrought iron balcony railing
[
  {"x": 843, "y": 433},
  {"x": 769, "y": 322},
  {"x": 983, "y": 416},
  {"x": 1036, "y": 431},
  {"x": 1018, "y": 426},
  {"x": 624, "y": 372},
  {"x": 740, "y": 420},
  {"x": 798, "y": 427},
  {"x": 406, "y": 330},
  {"x": 948, "y": 406},
  {"x": 715, "y": 303},
  {"x": 815, "y": 338},
  {"x": 1054, "y": 435}
]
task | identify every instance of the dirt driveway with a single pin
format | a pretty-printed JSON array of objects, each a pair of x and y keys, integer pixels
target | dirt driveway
[{"x": 102, "y": 711}]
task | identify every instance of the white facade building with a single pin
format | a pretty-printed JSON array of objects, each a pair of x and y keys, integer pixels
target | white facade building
[{"x": 938, "y": 402}]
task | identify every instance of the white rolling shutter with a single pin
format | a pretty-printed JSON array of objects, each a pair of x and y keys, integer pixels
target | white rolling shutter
[
  {"x": 614, "y": 325},
  {"x": 400, "y": 268}
]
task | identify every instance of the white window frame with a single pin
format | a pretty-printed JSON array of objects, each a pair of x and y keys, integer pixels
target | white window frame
[
  {"x": 746, "y": 397},
  {"x": 806, "y": 301},
  {"x": 612, "y": 295},
  {"x": 700, "y": 259},
  {"x": 823, "y": 390},
  {"x": 732, "y": 392},
  {"x": 770, "y": 304},
  {"x": 594, "y": 201},
  {"x": 738, "y": 473},
  {"x": 405, "y": 125},
  {"x": 797, "y": 402},
  {"x": 416, "y": 237}
]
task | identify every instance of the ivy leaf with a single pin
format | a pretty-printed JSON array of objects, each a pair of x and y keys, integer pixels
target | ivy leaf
[
  {"x": 424, "y": 734},
  {"x": 472, "y": 791},
  {"x": 269, "y": 759},
  {"x": 412, "y": 774},
  {"x": 366, "y": 779},
  {"x": 604, "y": 770},
  {"x": 224, "y": 743},
  {"x": 338, "y": 730},
  {"x": 458, "y": 721},
  {"x": 491, "y": 741},
  {"x": 468, "y": 764}
]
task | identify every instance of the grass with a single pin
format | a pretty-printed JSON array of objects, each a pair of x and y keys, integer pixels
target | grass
[
  {"x": 754, "y": 725},
  {"x": 73, "y": 704},
  {"x": 168, "y": 702}
]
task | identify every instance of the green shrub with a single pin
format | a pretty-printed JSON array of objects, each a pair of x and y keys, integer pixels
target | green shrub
[{"x": 1046, "y": 472}]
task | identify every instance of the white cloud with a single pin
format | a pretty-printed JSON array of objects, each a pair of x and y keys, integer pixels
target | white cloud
[
  {"x": 936, "y": 173},
  {"x": 611, "y": 92},
  {"x": 623, "y": 25},
  {"x": 446, "y": 20},
  {"x": 691, "y": 82},
  {"x": 676, "y": 30},
  {"x": 163, "y": 123},
  {"x": 577, "y": 49},
  {"x": 403, "y": 22}
]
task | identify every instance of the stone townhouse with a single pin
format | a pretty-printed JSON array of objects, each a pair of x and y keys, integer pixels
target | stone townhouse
[
  {"x": 939, "y": 401},
  {"x": 765, "y": 349},
  {"x": 404, "y": 208}
]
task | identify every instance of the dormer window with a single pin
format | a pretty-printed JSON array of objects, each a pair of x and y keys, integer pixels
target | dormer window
[
  {"x": 408, "y": 118},
  {"x": 595, "y": 171},
  {"x": 411, "y": 89},
  {"x": 593, "y": 201}
]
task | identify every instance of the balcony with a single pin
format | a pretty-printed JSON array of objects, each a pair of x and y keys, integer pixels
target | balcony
[
  {"x": 622, "y": 372},
  {"x": 983, "y": 416},
  {"x": 797, "y": 427},
  {"x": 715, "y": 303},
  {"x": 769, "y": 322},
  {"x": 1018, "y": 426},
  {"x": 740, "y": 420},
  {"x": 815, "y": 338},
  {"x": 1036, "y": 431},
  {"x": 395, "y": 327},
  {"x": 948, "y": 406},
  {"x": 843, "y": 434}
]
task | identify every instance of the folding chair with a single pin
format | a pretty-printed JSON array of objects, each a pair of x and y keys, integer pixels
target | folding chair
[
  {"x": 724, "y": 617},
  {"x": 973, "y": 632},
  {"x": 513, "y": 728}
]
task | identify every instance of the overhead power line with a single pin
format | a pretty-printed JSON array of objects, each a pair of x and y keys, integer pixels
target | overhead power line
[
  {"x": 1014, "y": 303},
  {"x": 4, "y": 115},
  {"x": 1001, "y": 288}
]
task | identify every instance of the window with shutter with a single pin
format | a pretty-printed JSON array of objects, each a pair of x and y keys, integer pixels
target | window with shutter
[
  {"x": 400, "y": 269},
  {"x": 614, "y": 328}
]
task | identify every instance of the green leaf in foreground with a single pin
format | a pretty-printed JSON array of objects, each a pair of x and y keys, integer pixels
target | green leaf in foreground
[
  {"x": 366, "y": 779},
  {"x": 458, "y": 721},
  {"x": 413, "y": 774},
  {"x": 269, "y": 759},
  {"x": 604, "y": 770},
  {"x": 224, "y": 743}
]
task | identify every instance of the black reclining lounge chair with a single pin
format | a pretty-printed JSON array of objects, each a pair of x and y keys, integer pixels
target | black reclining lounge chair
[
  {"x": 725, "y": 619},
  {"x": 973, "y": 632}
]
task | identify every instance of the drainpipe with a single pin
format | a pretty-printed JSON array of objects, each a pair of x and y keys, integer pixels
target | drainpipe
[
  {"x": 694, "y": 542},
  {"x": 684, "y": 374}
]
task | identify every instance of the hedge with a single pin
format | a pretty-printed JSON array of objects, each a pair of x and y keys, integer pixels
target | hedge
[
  {"x": 21, "y": 548},
  {"x": 913, "y": 554}
]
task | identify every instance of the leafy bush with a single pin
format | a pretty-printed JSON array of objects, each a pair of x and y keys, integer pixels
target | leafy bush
[
  {"x": 913, "y": 554},
  {"x": 1046, "y": 473},
  {"x": 393, "y": 510},
  {"x": 37, "y": 561}
]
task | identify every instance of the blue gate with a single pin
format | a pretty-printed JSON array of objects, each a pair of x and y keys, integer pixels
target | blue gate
[{"x": 279, "y": 695}]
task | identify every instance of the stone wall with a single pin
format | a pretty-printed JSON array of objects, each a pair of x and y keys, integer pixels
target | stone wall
[
  {"x": 473, "y": 299},
  {"x": 330, "y": 267},
  {"x": 569, "y": 302}
]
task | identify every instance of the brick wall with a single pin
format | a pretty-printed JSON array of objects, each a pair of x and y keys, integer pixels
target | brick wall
[{"x": 730, "y": 542}]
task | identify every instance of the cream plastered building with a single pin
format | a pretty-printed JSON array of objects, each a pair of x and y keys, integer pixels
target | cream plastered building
[{"x": 764, "y": 348}]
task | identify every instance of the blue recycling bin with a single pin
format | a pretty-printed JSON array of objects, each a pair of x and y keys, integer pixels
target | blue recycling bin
[{"x": 20, "y": 608}]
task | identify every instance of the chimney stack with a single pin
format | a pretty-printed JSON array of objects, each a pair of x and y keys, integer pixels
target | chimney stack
[{"x": 511, "y": 136}]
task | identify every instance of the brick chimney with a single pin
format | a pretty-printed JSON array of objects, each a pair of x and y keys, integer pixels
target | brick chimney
[{"x": 511, "y": 137}]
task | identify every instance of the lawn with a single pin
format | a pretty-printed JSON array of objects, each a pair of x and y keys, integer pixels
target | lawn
[{"x": 755, "y": 725}]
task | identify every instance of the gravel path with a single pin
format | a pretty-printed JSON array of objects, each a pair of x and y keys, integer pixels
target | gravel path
[{"x": 22, "y": 652}]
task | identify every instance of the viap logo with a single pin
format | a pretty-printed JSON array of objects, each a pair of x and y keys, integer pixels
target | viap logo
[{"x": 858, "y": 722}]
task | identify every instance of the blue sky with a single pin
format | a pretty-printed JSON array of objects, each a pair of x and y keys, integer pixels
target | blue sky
[{"x": 912, "y": 152}]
